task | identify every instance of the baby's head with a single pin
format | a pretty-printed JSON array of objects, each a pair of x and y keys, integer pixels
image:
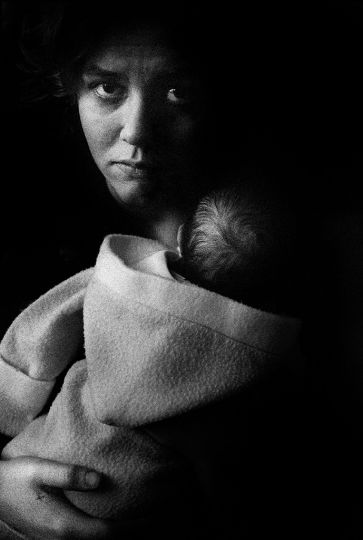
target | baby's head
[{"x": 240, "y": 242}]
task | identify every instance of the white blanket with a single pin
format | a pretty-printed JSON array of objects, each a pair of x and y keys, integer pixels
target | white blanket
[{"x": 155, "y": 348}]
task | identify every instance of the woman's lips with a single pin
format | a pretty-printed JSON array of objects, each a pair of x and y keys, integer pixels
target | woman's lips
[{"x": 135, "y": 170}]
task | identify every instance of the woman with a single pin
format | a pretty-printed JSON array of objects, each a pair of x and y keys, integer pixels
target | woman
[{"x": 141, "y": 102}]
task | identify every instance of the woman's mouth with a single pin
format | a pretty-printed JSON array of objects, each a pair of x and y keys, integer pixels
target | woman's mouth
[{"x": 132, "y": 170}]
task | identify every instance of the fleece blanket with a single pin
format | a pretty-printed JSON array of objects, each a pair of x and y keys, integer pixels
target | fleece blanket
[{"x": 154, "y": 349}]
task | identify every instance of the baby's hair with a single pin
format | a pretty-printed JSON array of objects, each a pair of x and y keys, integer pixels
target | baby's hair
[{"x": 240, "y": 242}]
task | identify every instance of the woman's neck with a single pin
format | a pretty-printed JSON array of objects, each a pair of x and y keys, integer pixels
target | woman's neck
[{"x": 165, "y": 229}]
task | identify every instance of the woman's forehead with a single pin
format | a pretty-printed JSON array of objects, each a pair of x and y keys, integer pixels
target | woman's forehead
[{"x": 141, "y": 49}]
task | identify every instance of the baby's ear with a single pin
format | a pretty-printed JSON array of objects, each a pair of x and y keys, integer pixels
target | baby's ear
[{"x": 179, "y": 237}]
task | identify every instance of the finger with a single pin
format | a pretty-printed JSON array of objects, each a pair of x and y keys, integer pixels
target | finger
[
  {"x": 60, "y": 475},
  {"x": 66, "y": 521},
  {"x": 73, "y": 523}
]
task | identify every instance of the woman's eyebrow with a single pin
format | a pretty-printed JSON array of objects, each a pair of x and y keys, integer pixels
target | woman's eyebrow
[
  {"x": 95, "y": 70},
  {"x": 164, "y": 73}
]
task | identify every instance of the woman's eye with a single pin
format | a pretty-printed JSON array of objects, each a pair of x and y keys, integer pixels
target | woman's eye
[
  {"x": 179, "y": 96},
  {"x": 110, "y": 91}
]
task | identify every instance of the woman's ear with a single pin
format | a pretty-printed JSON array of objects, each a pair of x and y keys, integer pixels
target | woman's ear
[{"x": 179, "y": 237}]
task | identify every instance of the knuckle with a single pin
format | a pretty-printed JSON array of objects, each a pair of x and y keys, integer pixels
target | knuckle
[{"x": 71, "y": 475}]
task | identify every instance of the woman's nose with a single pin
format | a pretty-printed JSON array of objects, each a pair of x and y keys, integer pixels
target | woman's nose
[{"x": 135, "y": 129}]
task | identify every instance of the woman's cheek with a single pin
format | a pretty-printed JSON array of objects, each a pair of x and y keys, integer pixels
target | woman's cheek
[
  {"x": 97, "y": 131},
  {"x": 184, "y": 129},
  {"x": 92, "y": 117}
]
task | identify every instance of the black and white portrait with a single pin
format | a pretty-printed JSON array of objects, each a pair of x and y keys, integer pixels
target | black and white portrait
[{"x": 181, "y": 270}]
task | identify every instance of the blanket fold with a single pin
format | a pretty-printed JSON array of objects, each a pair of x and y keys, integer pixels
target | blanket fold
[
  {"x": 157, "y": 347},
  {"x": 37, "y": 347}
]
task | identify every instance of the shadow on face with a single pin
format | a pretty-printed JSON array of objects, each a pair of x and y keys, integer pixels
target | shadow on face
[{"x": 140, "y": 110}]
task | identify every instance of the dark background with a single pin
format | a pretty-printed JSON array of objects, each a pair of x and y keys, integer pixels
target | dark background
[
  {"x": 293, "y": 107},
  {"x": 289, "y": 100}
]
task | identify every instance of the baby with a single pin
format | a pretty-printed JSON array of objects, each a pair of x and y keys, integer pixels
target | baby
[
  {"x": 241, "y": 242},
  {"x": 163, "y": 336}
]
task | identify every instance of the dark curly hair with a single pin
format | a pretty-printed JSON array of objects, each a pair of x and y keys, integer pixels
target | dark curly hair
[{"x": 56, "y": 38}]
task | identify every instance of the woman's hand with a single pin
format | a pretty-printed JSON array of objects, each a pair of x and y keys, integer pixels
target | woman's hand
[{"x": 32, "y": 502}]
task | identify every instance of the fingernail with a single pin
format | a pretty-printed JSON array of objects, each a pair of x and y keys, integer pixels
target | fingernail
[{"x": 92, "y": 479}]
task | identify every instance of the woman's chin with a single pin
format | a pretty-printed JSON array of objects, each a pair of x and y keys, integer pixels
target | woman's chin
[{"x": 136, "y": 197}]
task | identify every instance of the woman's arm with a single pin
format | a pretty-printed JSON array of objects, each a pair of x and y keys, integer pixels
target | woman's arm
[
  {"x": 40, "y": 344},
  {"x": 32, "y": 504}
]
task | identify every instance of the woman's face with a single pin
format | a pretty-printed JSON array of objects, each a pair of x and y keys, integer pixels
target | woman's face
[{"x": 139, "y": 112}]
